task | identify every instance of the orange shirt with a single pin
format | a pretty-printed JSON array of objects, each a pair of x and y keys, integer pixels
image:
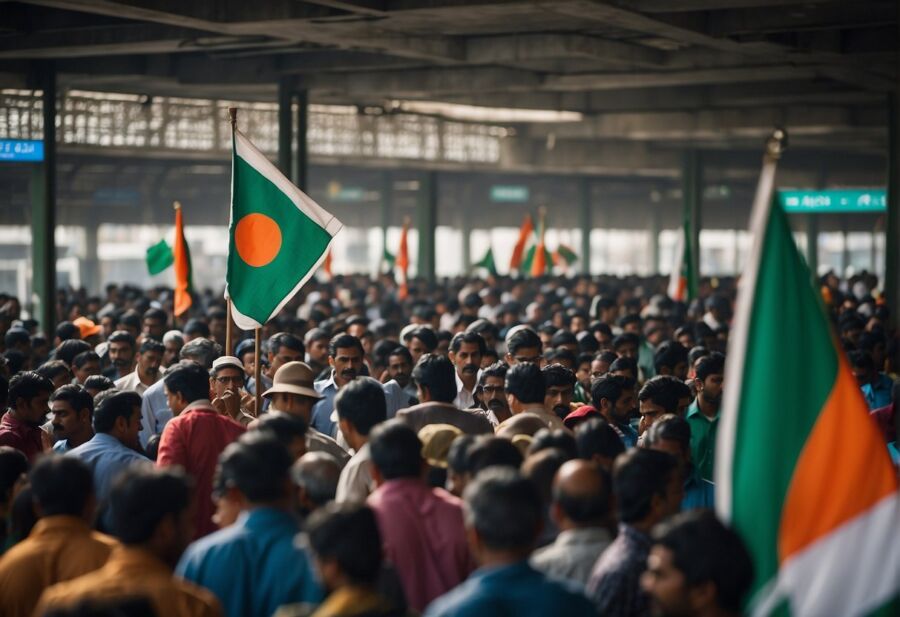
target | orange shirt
[
  {"x": 132, "y": 572},
  {"x": 59, "y": 548}
]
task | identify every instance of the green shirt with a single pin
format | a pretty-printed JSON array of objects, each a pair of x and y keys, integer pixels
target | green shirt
[{"x": 703, "y": 440}]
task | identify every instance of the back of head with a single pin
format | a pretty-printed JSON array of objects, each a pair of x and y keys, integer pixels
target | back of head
[
  {"x": 361, "y": 402},
  {"x": 436, "y": 373},
  {"x": 458, "y": 454},
  {"x": 541, "y": 468},
  {"x": 526, "y": 383},
  {"x": 489, "y": 451},
  {"x": 596, "y": 437},
  {"x": 53, "y": 369},
  {"x": 142, "y": 497},
  {"x": 669, "y": 427},
  {"x": 505, "y": 509},
  {"x": 348, "y": 535},
  {"x": 13, "y": 464},
  {"x": 282, "y": 426},
  {"x": 257, "y": 465},
  {"x": 638, "y": 476},
  {"x": 111, "y": 405},
  {"x": 669, "y": 355},
  {"x": 202, "y": 351},
  {"x": 524, "y": 338},
  {"x": 318, "y": 473},
  {"x": 67, "y": 350},
  {"x": 705, "y": 550},
  {"x": 583, "y": 492},
  {"x": 100, "y": 383},
  {"x": 554, "y": 438},
  {"x": 61, "y": 485},
  {"x": 188, "y": 379},
  {"x": 395, "y": 450},
  {"x": 284, "y": 339}
]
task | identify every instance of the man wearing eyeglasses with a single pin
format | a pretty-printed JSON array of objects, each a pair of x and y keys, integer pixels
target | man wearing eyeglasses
[
  {"x": 490, "y": 393},
  {"x": 226, "y": 382}
]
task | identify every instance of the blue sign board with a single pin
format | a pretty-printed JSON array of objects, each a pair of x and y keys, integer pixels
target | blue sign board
[
  {"x": 509, "y": 193},
  {"x": 835, "y": 200},
  {"x": 21, "y": 150}
]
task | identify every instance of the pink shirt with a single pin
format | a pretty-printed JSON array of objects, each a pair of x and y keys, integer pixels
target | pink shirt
[{"x": 424, "y": 538}]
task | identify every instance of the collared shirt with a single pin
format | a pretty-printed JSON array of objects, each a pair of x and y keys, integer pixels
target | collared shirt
[
  {"x": 614, "y": 585},
  {"x": 134, "y": 573},
  {"x": 155, "y": 412},
  {"x": 878, "y": 394},
  {"x": 703, "y": 440},
  {"x": 59, "y": 548},
  {"x": 423, "y": 536},
  {"x": 394, "y": 397},
  {"x": 573, "y": 554},
  {"x": 132, "y": 383},
  {"x": 464, "y": 398},
  {"x": 253, "y": 566},
  {"x": 194, "y": 440},
  {"x": 356, "y": 482},
  {"x": 107, "y": 457},
  {"x": 698, "y": 492},
  {"x": 516, "y": 589},
  {"x": 24, "y": 437}
]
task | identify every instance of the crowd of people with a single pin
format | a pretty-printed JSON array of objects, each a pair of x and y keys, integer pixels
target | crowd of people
[{"x": 481, "y": 446}]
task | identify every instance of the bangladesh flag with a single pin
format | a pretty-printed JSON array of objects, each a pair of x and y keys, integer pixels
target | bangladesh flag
[
  {"x": 278, "y": 237},
  {"x": 802, "y": 472}
]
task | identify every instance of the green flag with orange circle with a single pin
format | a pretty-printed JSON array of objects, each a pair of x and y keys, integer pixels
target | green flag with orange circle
[{"x": 278, "y": 237}]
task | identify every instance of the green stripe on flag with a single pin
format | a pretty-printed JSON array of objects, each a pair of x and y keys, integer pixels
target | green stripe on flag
[{"x": 159, "y": 257}]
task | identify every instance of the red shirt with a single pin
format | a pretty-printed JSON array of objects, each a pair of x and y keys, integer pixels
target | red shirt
[
  {"x": 194, "y": 440},
  {"x": 22, "y": 436}
]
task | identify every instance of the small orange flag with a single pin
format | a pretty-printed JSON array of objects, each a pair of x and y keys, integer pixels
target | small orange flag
[
  {"x": 402, "y": 262},
  {"x": 327, "y": 265},
  {"x": 539, "y": 263},
  {"x": 525, "y": 232},
  {"x": 182, "y": 258}
]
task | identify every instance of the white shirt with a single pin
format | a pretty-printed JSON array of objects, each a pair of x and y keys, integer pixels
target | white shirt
[
  {"x": 131, "y": 383},
  {"x": 464, "y": 399}
]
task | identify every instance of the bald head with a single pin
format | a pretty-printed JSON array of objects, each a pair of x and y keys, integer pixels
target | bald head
[
  {"x": 316, "y": 474},
  {"x": 581, "y": 495}
]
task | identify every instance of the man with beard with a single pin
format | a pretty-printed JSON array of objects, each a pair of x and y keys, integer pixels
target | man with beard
[
  {"x": 72, "y": 410},
  {"x": 613, "y": 397},
  {"x": 491, "y": 393},
  {"x": 465, "y": 354},
  {"x": 121, "y": 354},
  {"x": 560, "y": 387},
  {"x": 147, "y": 371},
  {"x": 703, "y": 414},
  {"x": 399, "y": 368}
]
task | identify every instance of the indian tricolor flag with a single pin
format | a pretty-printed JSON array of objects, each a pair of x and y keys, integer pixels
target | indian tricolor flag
[
  {"x": 278, "y": 237},
  {"x": 802, "y": 472}
]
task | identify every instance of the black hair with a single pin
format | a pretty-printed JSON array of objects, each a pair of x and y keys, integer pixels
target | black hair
[
  {"x": 111, "y": 405},
  {"x": 15, "y": 360},
  {"x": 61, "y": 485},
  {"x": 156, "y": 313},
  {"x": 284, "y": 339},
  {"x": 541, "y": 467},
  {"x": 27, "y": 385},
  {"x": 130, "y": 318},
  {"x": 595, "y": 436},
  {"x": 14, "y": 336},
  {"x": 76, "y": 396},
  {"x": 557, "y": 375},
  {"x": 142, "y": 496},
  {"x": 121, "y": 336},
  {"x": 525, "y": 338},
  {"x": 626, "y": 338},
  {"x": 361, "y": 402},
  {"x": 705, "y": 550},
  {"x": 347, "y": 534},
  {"x": 67, "y": 350},
  {"x": 51, "y": 369},
  {"x": 696, "y": 353},
  {"x": 284, "y": 427},
  {"x": 669, "y": 427},
  {"x": 713, "y": 364},
  {"x": 257, "y": 465},
  {"x": 472, "y": 338},
  {"x": 624, "y": 364},
  {"x": 489, "y": 451},
  {"x": 458, "y": 454},
  {"x": 589, "y": 507},
  {"x": 196, "y": 327},
  {"x": 344, "y": 341},
  {"x": 563, "y": 337},
  {"x": 149, "y": 344},
  {"x": 497, "y": 369},
  {"x": 610, "y": 387},
  {"x": 504, "y": 508},
  {"x": 427, "y": 336},
  {"x": 435, "y": 372},
  {"x": 84, "y": 357},
  {"x": 669, "y": 355},
  {"x": 526, "y": 382},
  {"x": 553, "y": 356},
  {"x": 13, "y": 463},
  {"x": 395, "y": 450},
  {"x": 638, "y": 476},
  {"x": 399, "y": 350},
  {"x": 861, "y": 359},
  {"x": 607, "y": 356},
  {"x": 101, "y": 383},
  {"x": 66, "y": 330},
  {"x": 661, "y": 390},
  {"x": 559, "y": 439},
  {"x": 188, "y": 379}
]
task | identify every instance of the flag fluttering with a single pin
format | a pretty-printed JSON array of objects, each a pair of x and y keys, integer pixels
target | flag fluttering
[
  {"x": 279, "y": 236},
  {"x": 402, "y": 261},
  {"x": 564, "y": 256},
  {"x": 326, "y": 266},
  {"x": 802, "y": 472},
  {"x": 525, "y": 231},
  {"x": 683, "y": 280},
  {"x": 540, "y": 260},
  {"x": 181, "y": 256},
  {"x": 159, "y": 257},
  {"x": 487, "y": 262}
]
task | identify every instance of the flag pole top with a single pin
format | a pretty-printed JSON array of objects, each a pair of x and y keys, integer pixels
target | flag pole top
[
  {"x": 232, "y": 115},
  {"x": 407, "y": 221},
  {"x": 176, "y": 205},
  {"x": 776, "y": 144}
]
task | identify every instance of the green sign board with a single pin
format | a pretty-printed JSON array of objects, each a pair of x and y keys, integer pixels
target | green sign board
[
  {"x": 836, "y": 200},
  {"x": 509, "y": 193}
]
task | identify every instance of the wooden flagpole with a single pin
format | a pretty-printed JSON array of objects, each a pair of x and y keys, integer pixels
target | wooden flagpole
[{"x": 229, "y": 323}]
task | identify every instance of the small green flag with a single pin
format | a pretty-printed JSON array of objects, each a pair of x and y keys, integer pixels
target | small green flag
[
  {"x": 388, "y": 258},
  {"x": 159, "y": 257},
  {"x": 487, "y": 262},
  {"x": 565, "y": 254},
  {"x": 525, "y": 268}
]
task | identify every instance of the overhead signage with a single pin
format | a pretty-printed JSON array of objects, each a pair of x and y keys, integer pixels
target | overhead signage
[
  {"x": 21, "y": 150},
  {"x": 834, "y": 200},
  {"x": 510, "y": 193}
]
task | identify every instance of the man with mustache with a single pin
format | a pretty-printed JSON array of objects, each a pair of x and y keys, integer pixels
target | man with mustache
[
  {"x": 121, "y": 354},
  {"x": 466, "y": 349},
  {"x": 703, "y": 414},
  {"x": 345, "y": 356},
  {"x": 491, "y": 393},
  {"x": 560, "y": 384},
  {"x": 72, "y": 410},
  {"x": 147, "y": 371}
]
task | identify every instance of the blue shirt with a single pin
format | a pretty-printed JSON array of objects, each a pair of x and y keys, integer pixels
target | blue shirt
[
  {"x": 878, "y": 394},
  {"x": 394, "y": 397},
  {"x": 155, "y": 412},
  {"x": 253, "y": 566},
  {"x": 698, "y": 492},
  {"x": 894, "y": 451},
  {"x": 516, "y": 589},
  {"x": 628, "y": 434},
  {"x": 107, "y": 457}
]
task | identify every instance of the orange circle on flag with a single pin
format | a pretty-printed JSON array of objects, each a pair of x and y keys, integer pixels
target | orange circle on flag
[{"x": 257, "y": 239}]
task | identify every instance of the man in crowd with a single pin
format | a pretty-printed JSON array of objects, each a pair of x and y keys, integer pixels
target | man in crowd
[
  {"x": 146, "y": 373},
  {"x": 672, "y": 434},
  {"x": 173, "y": 341},
  {"x": 491, "y": 393},
  {"x": 421, "y": 527},
  {"x": 523, "y": 346},
  {"x": 84, "y": 365},
  {"x": 196, "y": 436},
  {"x": 360, "y": 407},
  {"x": 72, "y": 410},
  {"x": 316, "y": 476},
  {"x": 227, "y": 382},
  {"x": 658, "y": 396},
  {"x": 436, "y": 383},
  {"x": 647, "y": 489},
  {"x": 316, "y": 343},
  {"x": 560, "y": 388},
  {"x": 345, "y": 356},
  {"x": 153, "y": 324},
  {"x": 503, "y": 515},
  {"x": 525, "y": 393},
  {"x": 399, "y": 368},
  {"x": 703, "y": 414},
  {"x": 613, "y": 397},
  {"x": 254, "y": 566},
  {"x": 875, "y": 385},
  {"x": 151, "y": 517},
  {"x": 114, "y": 446},
  {"x": 282, "y": 348},
  {"x": 466, "y": 350},
  {"x": 121, "y": 354},
  {"x": 20, "y": 428}
]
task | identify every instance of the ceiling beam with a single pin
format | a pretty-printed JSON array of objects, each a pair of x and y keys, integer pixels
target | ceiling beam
[{"x": 526, "y": 47}]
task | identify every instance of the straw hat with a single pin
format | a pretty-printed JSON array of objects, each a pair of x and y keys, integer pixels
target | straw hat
[{"x": 294, "y": 378}]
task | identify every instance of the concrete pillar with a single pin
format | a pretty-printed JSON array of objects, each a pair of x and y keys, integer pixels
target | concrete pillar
[
  {"x": 387, "y": 193},
  {"x": 892, "y": 220},
  {"x": 692, "y": 193},
  {"x": 301, "y": 171},
  {"x": 653, "y": 226},
  {"x": 90, "y": 265},
  {"x": 584, "y": 223},
  {"x": 285, "y": 125},
  {"x": 43, "y": 209},
  {"x": 426, "y": 222},
  {"x": 812, "y": 243}
]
